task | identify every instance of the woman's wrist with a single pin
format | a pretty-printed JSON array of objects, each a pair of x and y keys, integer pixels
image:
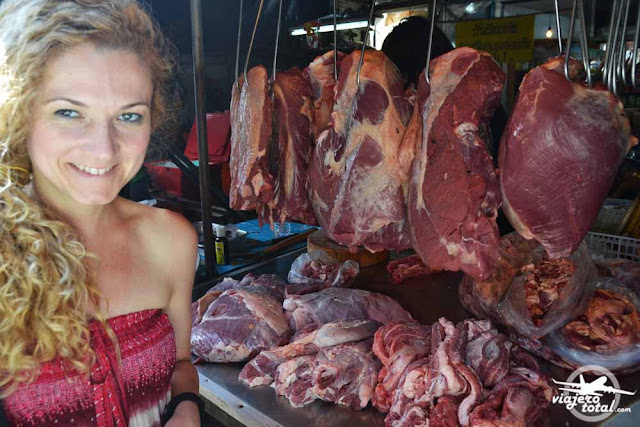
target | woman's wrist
[{"x": 186, "y": 405}]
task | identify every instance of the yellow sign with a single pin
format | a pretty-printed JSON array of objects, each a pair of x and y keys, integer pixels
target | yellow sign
[{"x": 506, "y": 39}]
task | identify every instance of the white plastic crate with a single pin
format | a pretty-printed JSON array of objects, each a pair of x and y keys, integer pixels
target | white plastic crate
[{"x": 613, "y": 247}]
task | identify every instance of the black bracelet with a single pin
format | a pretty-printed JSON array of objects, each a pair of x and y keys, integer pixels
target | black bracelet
[{"x": 176, "y": 400}]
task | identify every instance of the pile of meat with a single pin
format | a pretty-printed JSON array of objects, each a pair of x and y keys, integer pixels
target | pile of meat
[
  {"x": 607, "y": 334},
  {"x": 330, "y": 356},
  {"x": 456, "y": 374},
  {"x": 543, "y": 284},
  {"x": 610, "y": 322}
]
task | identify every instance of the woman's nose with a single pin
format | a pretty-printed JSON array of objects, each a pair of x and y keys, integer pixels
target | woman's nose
[{"x": 103, "y": 143}]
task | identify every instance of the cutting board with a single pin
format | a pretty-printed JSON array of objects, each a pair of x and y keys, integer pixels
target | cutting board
[{"x": 320, "y": 241}]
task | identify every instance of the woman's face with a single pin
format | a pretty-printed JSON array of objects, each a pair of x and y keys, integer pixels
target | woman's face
[{"x": 91, "y": 125}]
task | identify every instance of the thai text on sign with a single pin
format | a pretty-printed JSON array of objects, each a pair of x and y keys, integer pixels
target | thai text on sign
[{"x": 506, "y": 39}]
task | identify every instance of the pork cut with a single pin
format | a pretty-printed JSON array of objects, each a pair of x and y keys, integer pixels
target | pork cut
[
  {"x": 261, "y": 369},
  {"x": 346, "y": 374},
  {"x": 453, "y": 194},
  {"x": 294, "y": 379},
  {"x": 355, "y": 175},
  {"x": 310, "y": 311},
  {"x": 290, "y": 149},
  {"x": 397, "y": 345},
  {"x": 559, "y": 156},
  {"x": 251, "y": 116},
  {"x": 410, "y": 267},
  {"x": 321, "y": 77},
  {"x": 238, "y": 324}
]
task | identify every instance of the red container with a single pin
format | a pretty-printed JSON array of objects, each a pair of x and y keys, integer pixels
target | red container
[{"x": 218, "y": 137}]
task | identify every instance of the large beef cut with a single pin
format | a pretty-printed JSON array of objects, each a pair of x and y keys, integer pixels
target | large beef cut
[
  {"x": 559, "y": 156},
  {"x": 355, "y": 175},
  {"x": 321, "y": 76},
  {"x": 290, "y": 149},
  {"x": 310, "y": 311},
  {"x": 238, "y": 324},
  {"x": 251, "y": 116},
  {"x": 261, "y": 369},
  {"x": 453, "y": 195}
]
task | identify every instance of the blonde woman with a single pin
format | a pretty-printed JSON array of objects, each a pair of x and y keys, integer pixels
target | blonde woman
[{"x": 95, "y": 290}]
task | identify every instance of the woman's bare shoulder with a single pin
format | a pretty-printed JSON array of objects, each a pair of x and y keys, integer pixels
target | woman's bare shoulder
[{"x": 169, "y": 238}]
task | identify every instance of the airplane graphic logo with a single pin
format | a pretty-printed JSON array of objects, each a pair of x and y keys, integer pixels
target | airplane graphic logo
[{"x": 595, "y": 388}]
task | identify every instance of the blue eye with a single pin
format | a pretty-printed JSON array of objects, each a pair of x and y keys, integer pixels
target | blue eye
[
  {"x": 130, "y": 117},
  {"x": 70, "y": 114}
]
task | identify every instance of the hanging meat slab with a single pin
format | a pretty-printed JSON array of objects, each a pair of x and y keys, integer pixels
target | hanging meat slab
[
  {"x": 453, "y": 195},
  {"x": 321, "y": 76},
  {"x": 356, "y": 178},
  {"x": 559, "y": 155},
  {"x": 250, "y": 115},
  {"x": 290, "y": 149}
]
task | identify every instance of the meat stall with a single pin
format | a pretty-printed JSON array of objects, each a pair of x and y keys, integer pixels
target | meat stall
[{"x": 452, "y": 320}]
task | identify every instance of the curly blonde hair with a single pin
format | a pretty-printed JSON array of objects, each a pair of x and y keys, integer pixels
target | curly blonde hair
[{"x": 46, "y": 289}]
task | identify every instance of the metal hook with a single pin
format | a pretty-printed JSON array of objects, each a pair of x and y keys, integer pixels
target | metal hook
[
  {"x": 253, "y": 35},
  {"x": 621, "y": 69},
  {"x": 634, "y": 81},
  {"x": 569, "y": 41},
  {"x": 238, "y": 49},
  {"x": 558, "y": 30},
  {"x": 584, "y": 44},
  {"x": 275, "y": 54},
  {"x": 433, "y": 21},
  {"x": 607, "y": 53},
  {"x": 364, "y": 45},
  {"x": 335, "y": 42},
  {"x": 612, "y": 77}
]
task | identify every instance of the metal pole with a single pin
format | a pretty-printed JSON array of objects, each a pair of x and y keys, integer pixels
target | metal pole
[{"x": 201, "y": 125}]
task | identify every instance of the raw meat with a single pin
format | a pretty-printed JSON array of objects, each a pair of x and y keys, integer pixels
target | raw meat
[
  {"x": 625, "y": 271},
  {"x": 273, "y": 284},
  {"x": 260, "y": 370},
  {"x": 346, "y": 374},
  {"x": 314, "y": 271},
  {"x": 355, "y": 175},
  {"x": 294, "y": 379},
  {"x": 250, "y": 115},
  {"x": 481, "y": 297},
  {"x": 291, "y": 150},
  {"x": 466, "y": 363},
  {"x": 397, "y": 345},
  {"x": 320, "y": 74},
  {"x": 310, "y": 311},
  {"x": 239, "y": 324},
  {"x": 410, "y": 267},
  {"x": 488, "y": 355},
  {"x": 544, "y": 283},
  {"x": 453, "y": 194},
  {"x": 518, "y": 400},
  {"x": 610, "y": 322},
  {"x": 559, "y": 156}
]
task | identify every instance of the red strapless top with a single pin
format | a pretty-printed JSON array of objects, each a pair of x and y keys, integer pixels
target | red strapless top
[{"x": 133, "y": 394}]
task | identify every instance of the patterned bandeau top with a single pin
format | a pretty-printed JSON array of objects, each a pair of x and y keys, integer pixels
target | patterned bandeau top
[{"x": 133, "y": 393}]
